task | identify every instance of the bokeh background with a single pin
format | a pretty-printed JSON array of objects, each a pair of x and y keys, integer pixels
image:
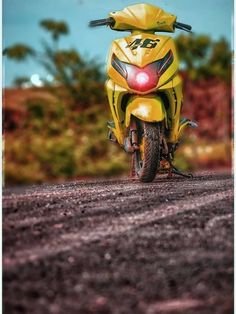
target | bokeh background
[{"x": 55, "y": 108}]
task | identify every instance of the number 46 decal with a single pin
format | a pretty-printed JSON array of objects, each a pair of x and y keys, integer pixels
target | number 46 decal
[{"x": 146, "y": 43}]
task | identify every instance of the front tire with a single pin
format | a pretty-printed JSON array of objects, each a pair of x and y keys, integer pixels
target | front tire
[{"x": 146, "y": 160}]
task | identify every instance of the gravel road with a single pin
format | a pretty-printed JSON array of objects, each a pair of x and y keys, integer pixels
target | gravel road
[{"x": 120, "y": 246}]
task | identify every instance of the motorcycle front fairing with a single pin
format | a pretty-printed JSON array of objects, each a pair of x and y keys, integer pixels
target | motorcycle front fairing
[
  {"x": 144, "y": 88},
  {"x": 143, "y": 74}
]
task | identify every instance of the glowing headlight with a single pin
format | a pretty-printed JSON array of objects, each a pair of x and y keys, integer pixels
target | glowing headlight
[{"x": 143, "y": 79}]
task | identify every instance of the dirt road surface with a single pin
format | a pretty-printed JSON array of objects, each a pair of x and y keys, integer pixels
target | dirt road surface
[{"x": 120, "y": 246}]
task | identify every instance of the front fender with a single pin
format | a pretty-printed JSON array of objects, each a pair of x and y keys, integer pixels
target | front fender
[{"x": 145, "y": 108}]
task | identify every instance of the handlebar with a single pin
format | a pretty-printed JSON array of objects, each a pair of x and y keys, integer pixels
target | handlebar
[
  {"x": 184, "y": 27},
  {"x": 111, "y": 22},
  {"x": 108, "y": 22}
]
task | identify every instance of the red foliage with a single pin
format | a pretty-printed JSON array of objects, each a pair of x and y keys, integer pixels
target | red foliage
[{"x": 209, "y": 103}]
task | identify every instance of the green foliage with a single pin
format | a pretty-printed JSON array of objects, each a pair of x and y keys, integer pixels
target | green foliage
[
  {"x": 45, "y": 116},
  {"x": 68, "y": 58},
  {"x": 221, "y": 60},
  {"x": 20, "y": 81},
  {"x": 55, "y": 28},
  {"x": 204, "y": 58},
  {"x": 19, "y": 52},
  {"x": 58, "y": 143}
]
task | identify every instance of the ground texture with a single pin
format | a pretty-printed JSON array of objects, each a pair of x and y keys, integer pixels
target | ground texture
[{"x": 120, "y": 246}]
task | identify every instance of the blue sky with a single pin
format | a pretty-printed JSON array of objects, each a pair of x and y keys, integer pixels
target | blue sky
[{"x": 21, "y": 25}]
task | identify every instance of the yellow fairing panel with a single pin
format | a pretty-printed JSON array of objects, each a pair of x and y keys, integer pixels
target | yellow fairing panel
[
  {"x": 115, "y": 94},
  {"x": 173, "y": 91},
  {"x": 143, "y": 17},
  {"x": 147, "y": 108},
  {"x": 122, "y": 48}
]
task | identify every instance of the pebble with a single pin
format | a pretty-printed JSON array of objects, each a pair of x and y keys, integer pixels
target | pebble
[
  {"x": 107, "y": 256},
  {"x": 58, "y": 226},
  {"x": 71, "y": 259}
]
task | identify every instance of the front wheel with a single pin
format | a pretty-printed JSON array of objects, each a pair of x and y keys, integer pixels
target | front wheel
[{"x": 146, "y": 160}]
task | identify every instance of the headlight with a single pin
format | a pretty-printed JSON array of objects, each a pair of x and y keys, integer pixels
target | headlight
[{"x": 142, "y": 79}]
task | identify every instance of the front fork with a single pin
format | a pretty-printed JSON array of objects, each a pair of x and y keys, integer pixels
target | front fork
[{"x": 131, "y": 142}]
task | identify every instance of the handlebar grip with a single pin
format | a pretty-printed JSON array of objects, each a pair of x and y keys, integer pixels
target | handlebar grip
[
  {"x": 109, "y": 22},
  {"x": 183, "y": 26},
  {"x": 189, "y": 27}
]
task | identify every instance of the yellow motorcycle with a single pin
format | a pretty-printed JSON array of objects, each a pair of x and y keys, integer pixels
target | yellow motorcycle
[{"x": 144, "y": 89}]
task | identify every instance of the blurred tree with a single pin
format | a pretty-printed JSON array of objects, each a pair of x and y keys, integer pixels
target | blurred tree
[
  {"x": 21, "y": 81},
  {"x": 56, "y": 28},
  {"x": 67, "y": 67},
  {"x": 19, "y": 52},
  {"x": 203, "y": 58},
  {"x": 220, "y": 61}
]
